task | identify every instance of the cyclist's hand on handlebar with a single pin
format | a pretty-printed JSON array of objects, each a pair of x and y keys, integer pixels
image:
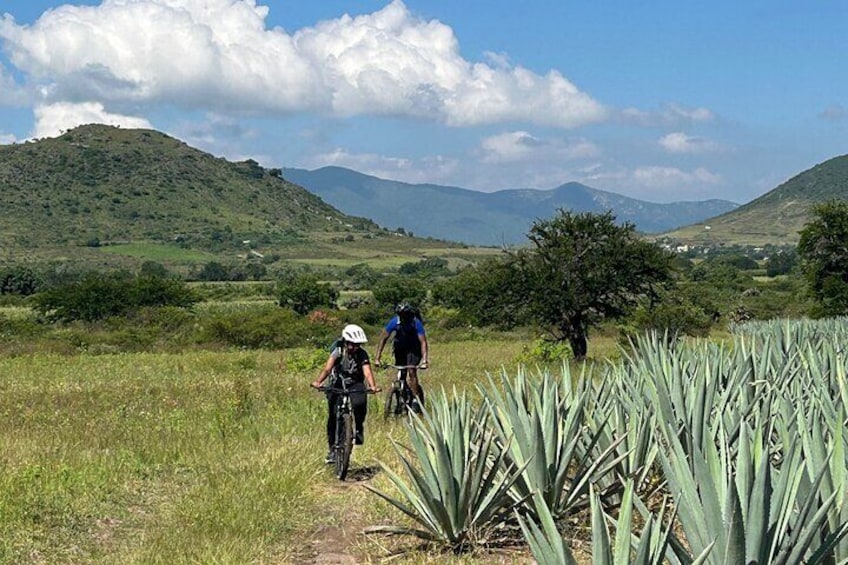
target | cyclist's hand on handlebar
[
  {"x": 375, "y": 390},
  {"x": 378, "y": 363},
  {"x": 316, "y": 384},
  {"x": 423, "y": 364}
]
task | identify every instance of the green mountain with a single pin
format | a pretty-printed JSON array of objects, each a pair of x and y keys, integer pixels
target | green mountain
[
  {"x": 480, "y": 218},
  {"x": 777, "y": 216},
  {"x": 99, "y": 185}
]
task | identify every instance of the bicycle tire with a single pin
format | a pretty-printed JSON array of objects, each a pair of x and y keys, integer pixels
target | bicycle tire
[
  {"x": 344, "y": 445},
  {"x": 390, "y": 405},
  {"x": 408, "y": 399}
]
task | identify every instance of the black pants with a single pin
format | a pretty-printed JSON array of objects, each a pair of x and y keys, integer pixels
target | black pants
[{"x": 359, "y": 405}]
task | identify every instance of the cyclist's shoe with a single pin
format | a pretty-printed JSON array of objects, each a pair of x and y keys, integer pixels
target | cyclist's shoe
[
  {"x": 359, "y": 437},
  {"x": 416, "y": 406},
  {"x": 330, "y": 458}
]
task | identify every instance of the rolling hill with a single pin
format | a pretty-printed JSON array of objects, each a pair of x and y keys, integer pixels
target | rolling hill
[
  {"x": 481, "y": 218},
  {"x": 777, "y": 216},
  {"x": 99, "y": 185}
]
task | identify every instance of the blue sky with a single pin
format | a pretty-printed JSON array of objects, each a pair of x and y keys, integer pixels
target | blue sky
[{"x": 661, "y": 101}]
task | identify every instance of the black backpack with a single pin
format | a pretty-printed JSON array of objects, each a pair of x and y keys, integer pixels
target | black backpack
[{"x": 406, "y": 334}]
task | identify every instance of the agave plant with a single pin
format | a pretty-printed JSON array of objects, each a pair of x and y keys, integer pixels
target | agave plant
[
  {"x": 542, "y": 425},
  {"x": 745, "y": 507},
  {"x": 544, "y": 539},
  {"x": 623, "y": 547},
  {"x": 618, "y": 414},
  {"x": 458, "y": 482},
  {"x": 650, "y": 547}
]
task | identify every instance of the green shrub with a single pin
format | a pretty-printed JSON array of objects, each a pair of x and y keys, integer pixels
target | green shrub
[
  {"x": 392, "y": 290},
  {"x": 544, "y": 352},
  {"x": 266, "y": 327},
  {"x": 305, "y": 293},
  {"x": 301, "y": 360},
  {"x": 97, "y": 297},
  {"x": 21, "y": 281},
  {"x": 675, "y": 317},
  {"x": 15, "y": 327}
]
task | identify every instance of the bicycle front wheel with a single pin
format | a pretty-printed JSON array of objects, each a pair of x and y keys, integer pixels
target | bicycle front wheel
[
  {"x": 390, "y": 405},
  {"x": 344, "y": 445}
]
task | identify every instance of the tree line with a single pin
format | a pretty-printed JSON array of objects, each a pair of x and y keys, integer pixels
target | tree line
[{"x": 578, "y": 272}]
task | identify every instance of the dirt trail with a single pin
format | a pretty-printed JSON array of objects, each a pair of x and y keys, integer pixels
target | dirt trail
[{"x": 331, "y": 543}]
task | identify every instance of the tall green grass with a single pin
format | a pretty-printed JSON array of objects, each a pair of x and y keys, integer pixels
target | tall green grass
[{"x": 194, "y": 457}]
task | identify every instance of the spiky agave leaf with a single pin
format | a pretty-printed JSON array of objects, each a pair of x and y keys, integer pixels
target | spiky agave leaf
[
  {"x": 457, "y": 482},
  {"x": 546, "y": 542}
]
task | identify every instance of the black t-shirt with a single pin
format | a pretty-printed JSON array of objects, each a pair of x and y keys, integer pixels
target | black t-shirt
[{"x": 349, "y": 365}]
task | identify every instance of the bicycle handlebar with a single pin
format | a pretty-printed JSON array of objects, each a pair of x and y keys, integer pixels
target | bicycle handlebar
[
  {"x": 343, "y": 390},
  {"x": 390, "y": 366}
]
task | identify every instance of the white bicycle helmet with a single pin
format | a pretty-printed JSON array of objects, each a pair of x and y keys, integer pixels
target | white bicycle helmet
[{"x": 354, "y": 334}]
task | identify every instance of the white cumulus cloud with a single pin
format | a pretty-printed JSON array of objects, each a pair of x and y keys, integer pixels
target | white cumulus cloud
[
  {"x": 833, "y": 113},
  {"x": 671, "y": 177},
  {"x": 11, "y": 94},
  {"x": 52, "y": 119},
  {"x": 219, "y": 55},
  {"x": 430, "y": 169},
  {"x": 679, "y": 142},
  {"x": 517, "y": 146},
  {"x": 669, "y": 115}
]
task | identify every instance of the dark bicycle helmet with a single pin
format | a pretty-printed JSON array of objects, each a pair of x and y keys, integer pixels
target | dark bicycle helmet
[{"x": 404, "y": 308}]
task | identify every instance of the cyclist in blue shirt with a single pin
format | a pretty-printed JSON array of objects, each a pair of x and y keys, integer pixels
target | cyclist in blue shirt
[{"x": 410, "y": 344}]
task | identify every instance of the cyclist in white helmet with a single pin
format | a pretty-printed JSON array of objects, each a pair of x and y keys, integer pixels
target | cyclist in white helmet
[{"x": 348, "y": 361}]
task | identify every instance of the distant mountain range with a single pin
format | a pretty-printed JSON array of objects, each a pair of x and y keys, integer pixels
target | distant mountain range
[
  {"x": 485, "y": 218},
  {"x": 96, "y": 184}
]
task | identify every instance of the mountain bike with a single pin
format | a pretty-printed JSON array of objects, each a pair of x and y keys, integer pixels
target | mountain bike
[
  {"x": 399, "y": 398},
  {"x": 345, "y": 427}
]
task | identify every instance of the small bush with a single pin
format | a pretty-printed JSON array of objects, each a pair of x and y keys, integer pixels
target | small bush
[
  {"x": 266, "y": 327},
  {"x": 305, "y": 293},
  {"x": 302, "y": 360},
  {"x": 544, "y": 352}
]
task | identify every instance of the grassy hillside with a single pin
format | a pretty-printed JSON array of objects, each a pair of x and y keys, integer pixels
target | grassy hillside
[
  {"x": 777, "y": 216},
  {"x": 105, "y": 183},
  {"x": 99, "y": 190}
]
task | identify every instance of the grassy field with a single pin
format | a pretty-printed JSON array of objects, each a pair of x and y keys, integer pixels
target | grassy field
[
  {"x": 200, "y": 457},
  {"x": 159, "y": 252}
]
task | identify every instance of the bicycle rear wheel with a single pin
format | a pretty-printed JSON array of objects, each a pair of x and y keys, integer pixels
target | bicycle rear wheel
[{"x": 344, "y": 445}]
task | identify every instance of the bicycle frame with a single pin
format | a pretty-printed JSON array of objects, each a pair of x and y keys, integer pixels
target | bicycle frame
[
  {"x": 400, "y": 398},
  {"x": 343, "y": 445},
  {"x": 345, "y": 426}
]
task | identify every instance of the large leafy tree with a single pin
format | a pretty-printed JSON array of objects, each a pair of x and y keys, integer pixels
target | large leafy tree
[
  {"x": 823, "y": 250},
  {"x": 583, "y": 268},
  {"x": 487, "y": 294}
]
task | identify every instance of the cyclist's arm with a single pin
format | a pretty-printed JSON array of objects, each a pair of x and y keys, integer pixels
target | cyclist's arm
[
  {"x": 425, "y": 349},
  {"x": 369, "y": 377},
  {"x": 326, "y": 370},
  {"x": 384, "y": 337}
]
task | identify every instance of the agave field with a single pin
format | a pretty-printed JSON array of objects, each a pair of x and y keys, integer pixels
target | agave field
[
  {"x": 698, "y": 453},
  {"x": 689, "y": 452}
]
